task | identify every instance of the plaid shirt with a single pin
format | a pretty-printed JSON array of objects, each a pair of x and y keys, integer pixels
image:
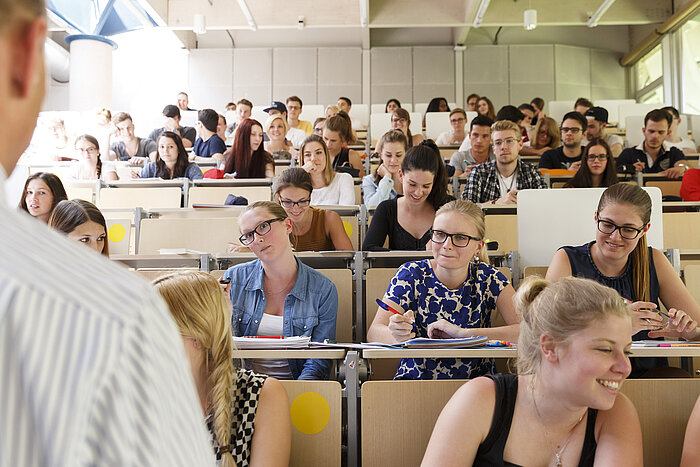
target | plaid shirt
[{"x": 482, "y": 185}]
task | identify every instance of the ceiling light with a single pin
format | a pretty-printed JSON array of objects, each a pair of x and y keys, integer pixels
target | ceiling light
[
  {"x": 199, "y": 24},
  {"x": 530, "y": 19},
  {"x": 481, "y": 12},
  {"x": 593, "y": 20}
]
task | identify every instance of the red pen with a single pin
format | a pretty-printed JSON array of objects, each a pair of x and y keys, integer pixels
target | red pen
[{"x": 388, "y": 308}]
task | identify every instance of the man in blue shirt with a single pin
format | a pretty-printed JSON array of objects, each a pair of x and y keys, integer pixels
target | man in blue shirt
[{"x": 209, "y": 144}]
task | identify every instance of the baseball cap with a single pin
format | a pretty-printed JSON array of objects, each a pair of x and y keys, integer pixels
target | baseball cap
[
  {"x": 277, "y": 105},
  {"x": 599, "y": 114}
]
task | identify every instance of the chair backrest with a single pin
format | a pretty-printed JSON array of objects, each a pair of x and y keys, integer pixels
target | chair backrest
[
  {"x": 218, "y": 194},
  {"x": 316, "y": 412},
  {"x": 695, "y": 127},
  {"x": 667, "y": 187},
  {"x": 311, "y": 112},
  {"x": 145, "y": 197},
  {"x": 557, "y": 109},
  {"x": 635, "y": 109},
  {"x": 380, "y": 108},
  {"x": 420, "y": 108},
  {"x": 503, "y": 228},
  {"x": 207, "y": 235},
  {"x": 535, "y": 271},
  {"x": 80, "y": 190},
  {"x": 416, "y": 125},
  {"x": 683, "y": 126},
  {"x": 360, "y": 112},
  {"x": 691, "y": 276},
  {"x": 613, "y": 108},
  {"x": 376, "y": 282},
  {"x": 187, "y": 118},
  {"x": 230, "y": 117},
  {"x": 380, "y": 123},
  {"x": 682, "y": 230},
  {"x": 633, "y": 130},
  {"x": 342, "y": 278},
  {"x": 119, "y": 235},
  {"x": 436, "y": 123},
  {"x": 258, "y": 113}
]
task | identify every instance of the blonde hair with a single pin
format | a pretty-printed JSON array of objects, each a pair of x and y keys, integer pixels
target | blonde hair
[
  {"x": 198, "y": 305},
  {"x": 560, "y": 309},
  {"x": 23, "y": 10},
  {"x": 505, "y": 125},
  {"x": 274, "y": 117},
  {"x": 473, "y": 214}
]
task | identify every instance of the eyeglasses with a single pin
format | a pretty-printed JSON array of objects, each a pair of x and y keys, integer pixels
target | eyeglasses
[
  {"x": 458, "y": 240},
  {"x": 607, "y": 227},
  {"x": 262, "y": 228},
  {"x": 600, "y": 157},
  {"x": 398, "y": 120},
  {"x": 574, "y": 130},
  {"x": 88, "y": 150},
  {"x": 290, "y": 204},
  {"x": 508, "y": 142},
  {"x": 457, "y": 120}
]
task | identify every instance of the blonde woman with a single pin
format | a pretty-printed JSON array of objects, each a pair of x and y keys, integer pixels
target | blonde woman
[
  {"x": 247, "y": 413},
  {"x": 329, "y": 186},
  {"x": 452, "y": 295},
  {"x": 544, "y": 137},
  {"x": 564, "y": 406},
  {"x": 276, "y": 128}
]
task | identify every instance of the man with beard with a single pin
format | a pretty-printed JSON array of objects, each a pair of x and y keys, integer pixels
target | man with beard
[{"x": 567, "y": 156}]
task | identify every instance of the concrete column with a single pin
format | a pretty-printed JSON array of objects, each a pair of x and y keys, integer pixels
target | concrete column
[{"x": 90, "y": 84}]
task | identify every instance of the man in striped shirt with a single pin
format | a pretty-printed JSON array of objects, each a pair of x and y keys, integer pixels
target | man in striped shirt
[{"x": 92, "y": 369}]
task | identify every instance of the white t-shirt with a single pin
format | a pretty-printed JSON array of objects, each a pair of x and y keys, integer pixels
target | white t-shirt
[
  {"x": 270, "y": 325},
  {"x": 684, "y": 143},
  {"x": 507, "y": 184},
  {"x": 296, "y": 136},
  {"x": 446, "y": 137},
  {"x": 341, "y": 191}
]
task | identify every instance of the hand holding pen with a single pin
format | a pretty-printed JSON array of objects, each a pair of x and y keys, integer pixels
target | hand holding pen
[
  {"x": 679, "y": 324},
  {"x": 401, "y": 325}
]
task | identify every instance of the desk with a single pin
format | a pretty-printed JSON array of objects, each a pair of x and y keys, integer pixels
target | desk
[
  {"x": 324, "y": 354},
  {"x": 511, "y": 352}
]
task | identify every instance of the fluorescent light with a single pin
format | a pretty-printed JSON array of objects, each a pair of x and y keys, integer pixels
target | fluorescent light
[
  {"x": 364, "y": 13},
  {"x": 530, "y": 19},
  {"x": 248, "y": 15},
  {"x": 481, "y": 12},
  {"x": 199, "y": 24},
  {"x": 593, "y": 20}
]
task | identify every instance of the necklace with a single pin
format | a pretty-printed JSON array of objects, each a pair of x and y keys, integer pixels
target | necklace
[
  {"x": 503, "y": 180},
  {"x": 557, "y": 454},
  {"x": 267, "y": 292}
]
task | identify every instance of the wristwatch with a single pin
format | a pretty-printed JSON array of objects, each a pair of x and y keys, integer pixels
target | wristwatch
[{"x": 685, "y": 167}]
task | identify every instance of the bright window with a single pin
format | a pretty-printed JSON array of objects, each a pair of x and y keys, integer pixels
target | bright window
[
  {"x": 649, "y": 68},
  {"x": 690, "y": 45}
]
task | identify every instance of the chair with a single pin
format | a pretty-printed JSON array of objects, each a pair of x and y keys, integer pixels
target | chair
[
  {"x": 80, "y": 190},
  {"x": 217, "y": 194},
  {"x": 691, "y": 276},
  {"x": 376, "y": 282},
  {"x": 416, "y": 125},
  {"x": 557, "y": 109},
  {"x": 420, "y": 108},
  {"x": 360, "y": 112},
  {"x": 629, "y": 109},
  {"x": 436, "y": 123},
  {"x": 503, "y": 228},
  {"x": 667, "y": 187},
  {"x": 535, "y": 271},
  {"x": 145, "y": 197},
  {"x": 613, "y": 108},
  {"x": 682, "y": 230},
  {"x": 316, "y": 412},
  {"x": 119, "y": 235},
  {"x": 633, "y": 130},
  {"x": 209, "y": 235},
  {"x": 311, "y": 112},
  {"x": 342, "y": 278},
  {"x": 380, "y": 123}
]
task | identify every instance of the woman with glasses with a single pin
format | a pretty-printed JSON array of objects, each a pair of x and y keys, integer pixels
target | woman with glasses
[
  {"x": 91, "y": 166},
  {"x": 453, "y": 295},
  {"x": 597, "y": 167},
  {"x": 312, "y": 229},
  {"x": 620, "y": 258},
  {"x": 278, "y": 295},
  {"x": 401, "y": 120},
  {"x": 455, "y": 136},
  {"x": 544, "y": 137}
]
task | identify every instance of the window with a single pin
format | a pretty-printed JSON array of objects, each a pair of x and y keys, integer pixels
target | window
[
  {"x": 649, "y": 68},
  {"x": 690, "y": 50}
]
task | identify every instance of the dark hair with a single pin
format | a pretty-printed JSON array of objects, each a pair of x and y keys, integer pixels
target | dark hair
[
  {"x": 539, "y": 102},
  {"x": 584, "y": 178},
  {"x": 209, "y": 118},
  {"x": 70, "y": 214},
  {"x": 491, "y": 112},
  {"x": 395, "y": 101},
  {"x": 658, "y": 115},
  {"x": 573, "y": 115},
  {"x": 671, "y": 109},
  {"x": 434, "y": 104},
  {"x": 510, "y": 112},
  {"x": 245, "y": 102},
  {"x": 526, "y": 106},
  {"x": 171, "y": 111},
  {"x": 584, "y": 102},
  {"x": 472, "y": 95},
  {"x": 403, "y": 113},
  {"x": 318, "y": 120},
  {"x": 54, "y": 184},
  {"x": 391, "y": 136},
  {"x": 346, "y": 99},
  {"x": 293, "y": 177},
  {"x": 294, "y": 99},
  {"x": 92, "y": 140},
  {"x": 426, "y": 156},
  {"x": 240, "y": 158},
  {"x": 342, "y": 125},
  {"x": 181, "y": 164},
  {"x": 480, "y": 120}
]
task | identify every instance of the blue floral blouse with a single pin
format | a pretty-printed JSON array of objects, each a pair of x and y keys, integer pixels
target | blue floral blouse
[{"x": 415, "y": 287}]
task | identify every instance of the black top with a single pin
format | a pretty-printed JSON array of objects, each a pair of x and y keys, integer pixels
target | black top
[
  {"x": 343, "y": 158},
  {"x": 582, "y": 265},
  {"x": 385, "y": 222},
  {"x": 667, "y": 158},
  {"x": 555, "y": 159},
  {"x": 186, "y": 132},
  {"x": 491, "y": 450}
]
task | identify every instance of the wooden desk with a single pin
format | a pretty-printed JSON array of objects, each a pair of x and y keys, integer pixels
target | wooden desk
[{"x": 511, "y": 352}]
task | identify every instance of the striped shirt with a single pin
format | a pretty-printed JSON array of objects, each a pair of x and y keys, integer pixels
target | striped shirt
[{"x": 92, "y": 368}]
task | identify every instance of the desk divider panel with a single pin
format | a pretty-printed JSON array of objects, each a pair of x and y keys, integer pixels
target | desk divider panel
[
  {"x": 145, "y": 197},
  {"x": 209, "y": 235},
  {"x": 682, "y": 230},
  {"x": 217, "y": 194}
]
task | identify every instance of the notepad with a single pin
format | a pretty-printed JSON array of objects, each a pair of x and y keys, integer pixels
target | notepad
[
  {"x": 261, "y": 343},
  {"x": 179, "y": 251},
  {"x": 425, "y": 343}
]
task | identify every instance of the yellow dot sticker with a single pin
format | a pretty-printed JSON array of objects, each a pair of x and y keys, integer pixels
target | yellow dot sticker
[
  {"x": 348, "y": 228},
  {"x": 116, "y": 233},
  {"x": 310, "y": 413}
]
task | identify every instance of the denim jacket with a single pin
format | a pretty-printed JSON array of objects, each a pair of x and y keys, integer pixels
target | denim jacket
[{"x": 310, "y": 309}]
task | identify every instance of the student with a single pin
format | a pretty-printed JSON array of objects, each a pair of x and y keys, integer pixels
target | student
[
  {"x": 171, "y": 161},
  {"x": 56, "y": 145},
  {"x": 331, "y": 111},
  {"x": 546, "y": 136},
  {"x": 171, "y": 114},
  {"x": 243, "y": 110},
  {"x": 329, "y": 186},
  {"x": 385, "y": 183},
  {"x": 567, "y": 156},
  {"x": 597, "y": 167},
  {"x": 337, "y": 134},
  {"x": 437, "y": 104},
  {"x": 528, "y": 114},
  {"x": 82, "y": 222},
  {"x": 472, "y": 99},
  {"x": 247, "y": 413},
  {"x": 498, "y": 181},
  {"x": 278, "y": 295},
  {"x": 318, "y": 126},
  {"x": 391, "y": 105},
  {"x": 691, "y": 448},
  {"x": 276, "y": 129},
  {"x": 597, "y": 118},
  {"x": 485, "y": 107},
  {"x": 294, "y": 106},
  {"x": 619, "y": 258},
  {"x": 313, "y": 229},
  {"x": 91, "y": 166},
  {"x": 183, "y": 101},
  {"x": 651, "y": 156},
  {"x": 209, "y": 144},
  {"x": 401, "y": 120},
  {"x": 344, "y": 104},
  {"x": 582, "y": 105},
  {"x": 129, "y": 147},
  {"x": 538, "y": 104},
  {"x": 220, "y": 128},
  {"x": 673, "y": 139},
  {"x": 41, "y": 193},
  {"x": 231, "y": 107},
  {"x": 406, "y": 220},
  {"x": 690, "y": 185},
  {"x": 453, "y": 295},
  {"x": 479, "y": 150},
  {"x": 455, "y": 136},
  {"x": 295, "y": 135},
  {"x": 247, "y": 157},
  {"x": 564, "y": 406}
]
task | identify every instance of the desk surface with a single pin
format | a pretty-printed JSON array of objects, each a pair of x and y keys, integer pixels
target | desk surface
[{"x": 490, "y": 352}]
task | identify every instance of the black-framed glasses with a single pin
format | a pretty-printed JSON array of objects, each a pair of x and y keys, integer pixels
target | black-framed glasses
[
  {"x": 607, "y": 227},
  {"x": 573, "y": 130},
  {"x": 302, "y": 203},
  {"x": 262, "y": 228},
  {"x": 458, "y": 240},
  {"x": 398, "y": 120},
  {"x": 600, "y": 157}
]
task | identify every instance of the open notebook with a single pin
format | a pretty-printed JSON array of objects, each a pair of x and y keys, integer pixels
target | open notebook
[{"x": 270, "y": 342}]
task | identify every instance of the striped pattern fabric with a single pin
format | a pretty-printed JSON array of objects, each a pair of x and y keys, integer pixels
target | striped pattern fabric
[{"x": 92, "y": 367}]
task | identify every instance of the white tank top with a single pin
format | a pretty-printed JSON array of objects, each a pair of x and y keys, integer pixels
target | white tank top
[{"x": 270, "y": 325}]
